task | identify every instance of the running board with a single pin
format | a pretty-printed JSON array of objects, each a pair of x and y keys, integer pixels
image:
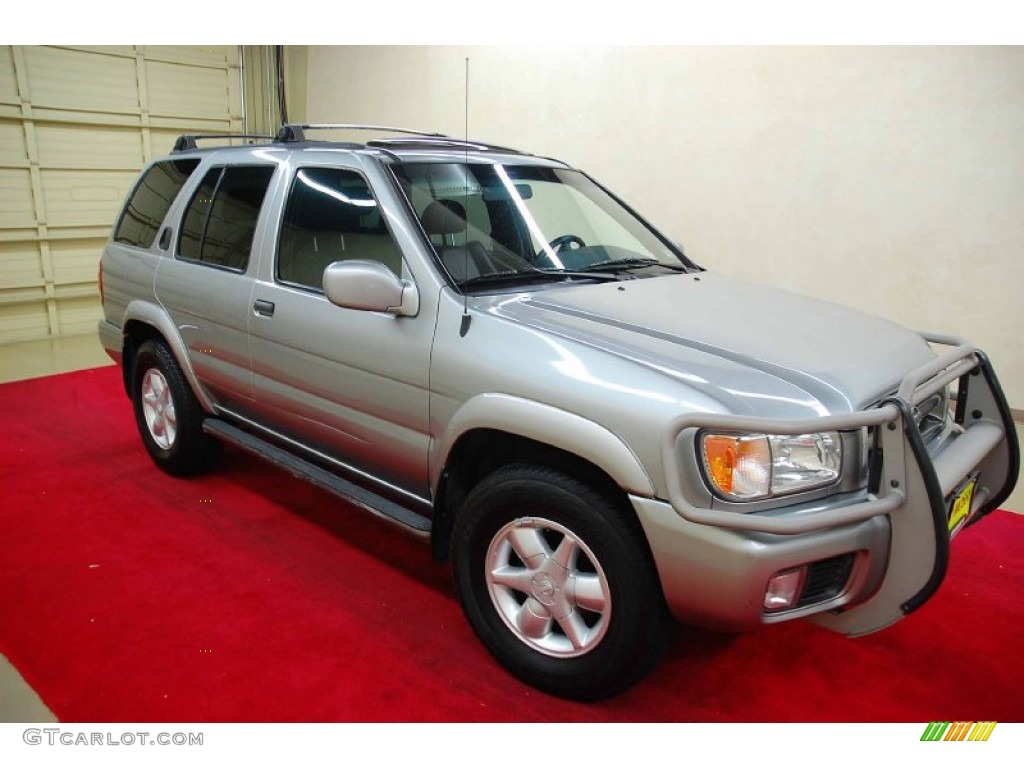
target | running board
[{"x": 384, "y": 508}]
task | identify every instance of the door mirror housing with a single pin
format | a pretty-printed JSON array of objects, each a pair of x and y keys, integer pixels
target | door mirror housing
[{"x": 370, "y": 286}]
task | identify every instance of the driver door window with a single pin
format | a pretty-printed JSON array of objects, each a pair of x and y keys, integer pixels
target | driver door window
[{"x": 331, "y": 215}]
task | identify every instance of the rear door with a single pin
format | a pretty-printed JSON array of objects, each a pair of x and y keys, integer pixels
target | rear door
[{"x": 207, "y": 286}]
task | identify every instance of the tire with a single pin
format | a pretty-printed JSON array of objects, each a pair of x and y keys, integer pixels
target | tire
[
  {"x": 169, "y": 418},
  {"x": 558, "y": 583}
]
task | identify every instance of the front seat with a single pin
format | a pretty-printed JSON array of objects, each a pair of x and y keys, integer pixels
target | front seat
[{"x": 445, "y": 219}]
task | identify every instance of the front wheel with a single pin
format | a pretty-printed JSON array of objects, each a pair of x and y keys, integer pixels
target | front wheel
[{"x": 558, "y": 583}]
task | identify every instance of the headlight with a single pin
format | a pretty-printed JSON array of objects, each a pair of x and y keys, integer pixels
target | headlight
[{"x": 748, "y": 467}]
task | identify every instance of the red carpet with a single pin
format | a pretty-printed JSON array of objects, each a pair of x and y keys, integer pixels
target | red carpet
[{"x": 126, "y": 595}]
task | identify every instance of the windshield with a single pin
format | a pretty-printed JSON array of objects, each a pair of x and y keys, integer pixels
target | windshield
[{"x": 489, "y": 221}]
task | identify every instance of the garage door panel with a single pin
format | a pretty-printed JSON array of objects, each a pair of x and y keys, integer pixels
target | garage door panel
[
  {"x": 79, "y": 315},
  {"x": 83, "y": 198},
  {"x": 178, "y": 125},
  {"x": 24, "y": 320},
  {"x": 81, "y": 80},
  {"x": 118, "y": 50},
  {"x": 207, "y": 55},
  {"x": 77, "y": 146},
  {"x": 12, "y": 145},
  {"x": 8, "y": 80},
  {"x": 22, "y": 266},
  {"x": 235, "y": 98},
  {"x": 178, "y": 89},
  {"x": 75, "y": 261},
  {"x": 16, "y": 207},
  {"x": 163, "y": 139}
]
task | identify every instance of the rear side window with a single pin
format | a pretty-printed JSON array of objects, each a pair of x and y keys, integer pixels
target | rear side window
[
  {"x": 220, "y": 220},
  {"x": 150, "y": 201},
  {"x": 331, "y": 216}
]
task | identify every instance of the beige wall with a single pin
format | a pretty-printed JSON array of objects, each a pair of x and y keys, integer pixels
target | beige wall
[
  {"x": 891, "y": 179},
  {"x": 295, "y": 70}
]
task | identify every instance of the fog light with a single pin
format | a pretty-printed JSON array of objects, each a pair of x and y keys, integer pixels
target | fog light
[{"x": 784, "y": 589}]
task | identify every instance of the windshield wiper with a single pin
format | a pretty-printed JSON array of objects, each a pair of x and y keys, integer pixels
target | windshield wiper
[
  {"x": 625, "y": 264},
  {"x": 541, "y": 275}
]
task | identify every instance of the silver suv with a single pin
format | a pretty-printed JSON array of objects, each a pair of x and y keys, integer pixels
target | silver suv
[{"x": 495, "y": 353}]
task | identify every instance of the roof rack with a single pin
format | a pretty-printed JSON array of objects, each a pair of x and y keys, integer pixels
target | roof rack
[
  {"x": 187, "y": 141},
  {"x": 437, "y": 142},
  {"x": 297, "y": 131}
]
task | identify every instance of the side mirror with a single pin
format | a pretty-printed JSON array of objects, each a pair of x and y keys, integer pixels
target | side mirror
[{"x": 370, "y": 286}]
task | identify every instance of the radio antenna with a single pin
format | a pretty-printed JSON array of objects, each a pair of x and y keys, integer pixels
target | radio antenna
[{"x": 466, "y": 318}]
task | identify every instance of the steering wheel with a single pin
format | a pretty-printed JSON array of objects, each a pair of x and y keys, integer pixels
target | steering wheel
[{"x": 564, "y": 243}]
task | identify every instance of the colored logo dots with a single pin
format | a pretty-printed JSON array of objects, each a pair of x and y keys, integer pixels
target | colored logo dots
[{"x": 959, "y": 731}]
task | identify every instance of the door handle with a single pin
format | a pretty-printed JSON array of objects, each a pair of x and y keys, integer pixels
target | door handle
[{"x": 264, "y": 308}]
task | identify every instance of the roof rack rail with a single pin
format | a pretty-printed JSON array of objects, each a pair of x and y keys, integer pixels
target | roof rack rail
[
  {"x": 432, "y": 142},
  {"x": 187, "y": 141},
  {"x": 297, "y": 131}
]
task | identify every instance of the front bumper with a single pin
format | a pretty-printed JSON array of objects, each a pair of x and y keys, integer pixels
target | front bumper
[
  {"x": 715, "y": 563},
  {"x": 716, "y": 577}
]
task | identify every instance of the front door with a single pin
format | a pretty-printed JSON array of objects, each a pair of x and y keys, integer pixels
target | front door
[{"x": 350, "y": 384}]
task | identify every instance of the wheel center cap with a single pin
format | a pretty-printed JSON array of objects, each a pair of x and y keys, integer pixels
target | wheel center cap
[{"x": 544, "y": 589}]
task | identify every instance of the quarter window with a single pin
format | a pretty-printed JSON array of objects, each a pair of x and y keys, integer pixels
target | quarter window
[
  {"x": 331, "y": 215},
  {"x": 150, "y": 201},
  {"x": 221, "y": 218}
]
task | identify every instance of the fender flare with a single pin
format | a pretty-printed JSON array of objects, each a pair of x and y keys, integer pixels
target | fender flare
[
  {"x": 544, "y": 424},
  {"x": 154, "y": 316}
]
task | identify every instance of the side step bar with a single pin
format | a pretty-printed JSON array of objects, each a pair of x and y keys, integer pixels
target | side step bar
[{"x": 384, "y": 508}]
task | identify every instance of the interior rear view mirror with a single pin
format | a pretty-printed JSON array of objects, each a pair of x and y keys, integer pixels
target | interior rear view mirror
[{"x": 497, "y": 194}]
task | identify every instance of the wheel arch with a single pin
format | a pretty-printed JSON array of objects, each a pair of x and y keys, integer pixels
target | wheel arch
[
  {"x": 493, "y": 430},
  {"x": 144, "y": 321}
]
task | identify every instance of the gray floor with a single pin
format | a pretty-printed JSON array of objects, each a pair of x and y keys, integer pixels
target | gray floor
[
  {"x": 18, "y": 702},
  {"x": 26, "y": 360},
  {"x": 31, "y": 359}
]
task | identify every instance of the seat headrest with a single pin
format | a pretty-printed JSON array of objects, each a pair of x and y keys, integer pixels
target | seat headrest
[{"x": 444, "y": 217}]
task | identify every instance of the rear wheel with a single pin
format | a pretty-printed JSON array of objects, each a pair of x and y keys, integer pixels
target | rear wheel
[
  {"x": 558, "y": 583},
  {"x": 168, "y": 416}
]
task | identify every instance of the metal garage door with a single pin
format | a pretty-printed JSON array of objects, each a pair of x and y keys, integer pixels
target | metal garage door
[{"x": 76, "y": 124}]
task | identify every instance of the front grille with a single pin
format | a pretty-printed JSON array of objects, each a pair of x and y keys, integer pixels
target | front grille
[{"x": 826, "y": 579}]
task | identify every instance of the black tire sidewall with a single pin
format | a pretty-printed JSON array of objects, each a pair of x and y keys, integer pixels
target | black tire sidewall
[
  {"x": 630, "y": 644},
  {"x": 192, "y": 451}
]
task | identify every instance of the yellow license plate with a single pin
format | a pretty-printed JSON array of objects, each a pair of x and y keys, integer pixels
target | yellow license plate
[{"x": 961, "y": 506}]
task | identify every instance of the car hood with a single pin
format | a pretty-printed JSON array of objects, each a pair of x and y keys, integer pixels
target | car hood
[{"x": 752, "y": 349}]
